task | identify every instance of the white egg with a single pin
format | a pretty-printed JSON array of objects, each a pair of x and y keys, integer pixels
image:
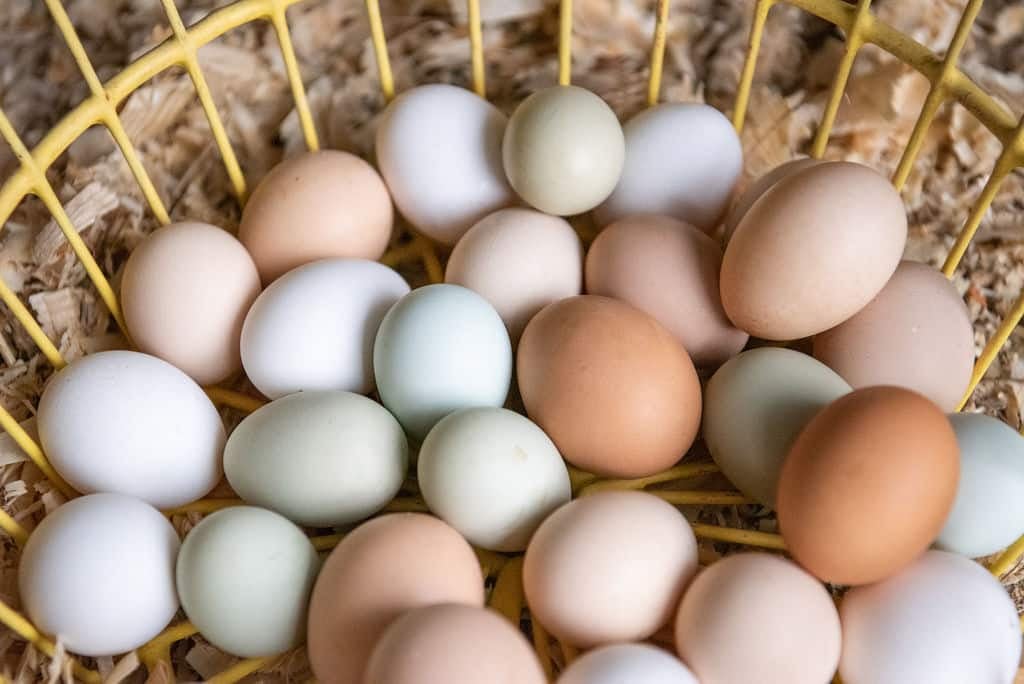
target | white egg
[
  {"x": 493, "y": 475},
  {"x": 244, "y": 575},
  {"x": 98, "y": 574},
  {"x": 942, "y": 620},
  {"x": 988, "y": 514},
  {"x": 439, "y": 150},
  {"x": 627, "y": 664},
  {"x": 130, "y": 423},
  {"x": 441, "y": 348},
  {"x": 318, "y": 458},
  {"x": 313, "y": 328},
  {"x": 682, "y": 160}
]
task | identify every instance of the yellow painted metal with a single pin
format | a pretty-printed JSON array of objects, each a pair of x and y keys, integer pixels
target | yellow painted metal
[
  {"x": 159, "y": 648},
  {"x": 565, "y": 43},
  {"x": 380, "y": 49},
  {"x": 1008, "y": 558},
  {"x": 764, "y": 540},
  {"x": 507, "y": 597},
  {"x": 476, "y": 47},
  {"x": 23, "y": 628},
  {"x": 658, "y": 52},
  {"x": 12, "y": 527}
]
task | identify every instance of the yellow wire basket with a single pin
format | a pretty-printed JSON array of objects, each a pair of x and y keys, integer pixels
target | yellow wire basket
[{"x": 860, "y": 27}]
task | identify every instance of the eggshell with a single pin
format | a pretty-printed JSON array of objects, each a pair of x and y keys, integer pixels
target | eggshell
[
  {"x": 754, "y": 617},
  {"x": 319, "y": 458},
  {"x": 314, "y": 206},
  {"x": 754, "y": 407},
  {"x": 563, "y": 150},
  {"x": 609, "y": 567},
  {"x": 813, "y": 251},
  {"x": 916, "y": 333},
  {"x": 612, "y": 388},
  {"x": 98, "y": 574},
  {"x": 125, "y": 422},
  {"x": 313, "y": 328},
  {"x": 244, "y": 576},
  {"x": 942, "y": 620},
  {"x": 621, "y": 663},
  {"x": 373, "y": 577},
  {"x": 682, "y": 160},
  {"x": 877, "y": 469},
  {"x": 439, "y": 149},
  {"x": 439, "y": 349},
  {"x": 520, "y": 261},
  {"x": 492, "y": 475},
  {"x": 754, "y": 191},
  {"x": 670, "y": 270},
  {"x": 988, "y": 514},
  {"x": 453, "y": 644},
  {"x": 184, "y": 294}
]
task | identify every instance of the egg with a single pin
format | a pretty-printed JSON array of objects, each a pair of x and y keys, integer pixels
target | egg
[
  {"x": 98, "y": 574},
  {"x": 374, "y": 576},
  {"x": 988, "y": 514},
  {"x": 608, "y": 567},
  {"x": 244, "y": 576},
  {"x": 190, "y": 316},
  {"x": 315, "y": 206},
  {"x": 439, "y": 349},
  {"x": 313, "y": 328},
  {"x": 439, "y": 149},
  {"x": 492, "y": 475},
  {"x": 614, "y": 390},
  {"x": 813, "y": 251},
  {"x": 321, "y": 459},
  {"x": 130, "y": 423},
  {"x": 520, "y": 260},
  {"x": 754, "y": 407},
  {"x": 942, "y": 620},
  {"x": 682, "y": 160},
  {"x": 916, "y": 333},
  {"x": 621, "y": 663},
  {"x": 670, "y": 270},
  {"x": 754, "y": 617},
  {"x": 759, "y": 187},
  {"x": 878, "y": 469},
  {"x": 563, "y": 150},
  {"x": 453, "y": 644}
]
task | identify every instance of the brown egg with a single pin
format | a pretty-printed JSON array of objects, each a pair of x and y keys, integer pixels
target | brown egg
[
  {"x": 753, "y": 192},
  {"x": 868, "y": 484},
  {"x": 670, "y": 270},
  {"x": 185, "y": 292},
  {"x": 610, "y": 385},
  {"x": 453, "y": 644},
  {"x": 813, "y": 251},
  {"x": 916, "y": 333},
  {"x": 382, "y": 569},
  {"x": 316, "y": 206}
]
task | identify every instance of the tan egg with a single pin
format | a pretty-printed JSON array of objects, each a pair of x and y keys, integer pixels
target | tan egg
[
  {"x": 670, "y": 270},
  {"x": 316, "y": 206},
  {"x": 916, "y": 333},
  {"x": 520, "y": 260},
  {"x": 609, "y": 567},
  {"x": 754, "y": 617},
  {"x": 185, "y": 292},
  {"x": 614, "y": 390},
  {"x": 453, "y": 644},
  {"x": 375, "y": 575},
  {"x": 813, "y": 251},
  {"x": 868, "y": 485},
  {"x": 753, "y": 192}
]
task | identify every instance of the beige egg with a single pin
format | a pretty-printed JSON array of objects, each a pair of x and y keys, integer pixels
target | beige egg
[
  {"x": 813, "y": 251},
  {"x": 316, "y": 206},
  {"x": 916, "y": 333},
  {"x": 380, "y": 570},
  {"x": 453, "y": 644},
  {"x": 670, "y": 270},
  {"x": 185, "y": 292},
  {"x": 520, "y": 260},
  {"x": 753, "y": 192}
]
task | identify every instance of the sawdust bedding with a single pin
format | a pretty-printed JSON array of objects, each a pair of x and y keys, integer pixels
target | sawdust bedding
[{"x": 428, "y": 41}]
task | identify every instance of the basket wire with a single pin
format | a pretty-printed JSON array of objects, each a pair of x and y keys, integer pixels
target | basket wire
[{"x": 860, "y": 26}]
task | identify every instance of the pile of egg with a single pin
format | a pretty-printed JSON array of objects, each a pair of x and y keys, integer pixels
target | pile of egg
[{"x": 877, "y": 485}]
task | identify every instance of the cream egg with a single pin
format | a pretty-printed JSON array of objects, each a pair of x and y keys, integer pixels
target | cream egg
[
  {"x": 760, "y": 186},
  {"x": 622, "y": 663}
]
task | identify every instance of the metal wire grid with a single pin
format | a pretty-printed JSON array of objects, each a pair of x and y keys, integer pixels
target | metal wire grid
[{"x": 861, "y": 27}]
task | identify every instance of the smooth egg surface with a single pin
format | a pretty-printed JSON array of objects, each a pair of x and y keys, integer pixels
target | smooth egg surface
[
  {"x": 625, "y": 663},
  {"x": 753, "y": 192}
]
